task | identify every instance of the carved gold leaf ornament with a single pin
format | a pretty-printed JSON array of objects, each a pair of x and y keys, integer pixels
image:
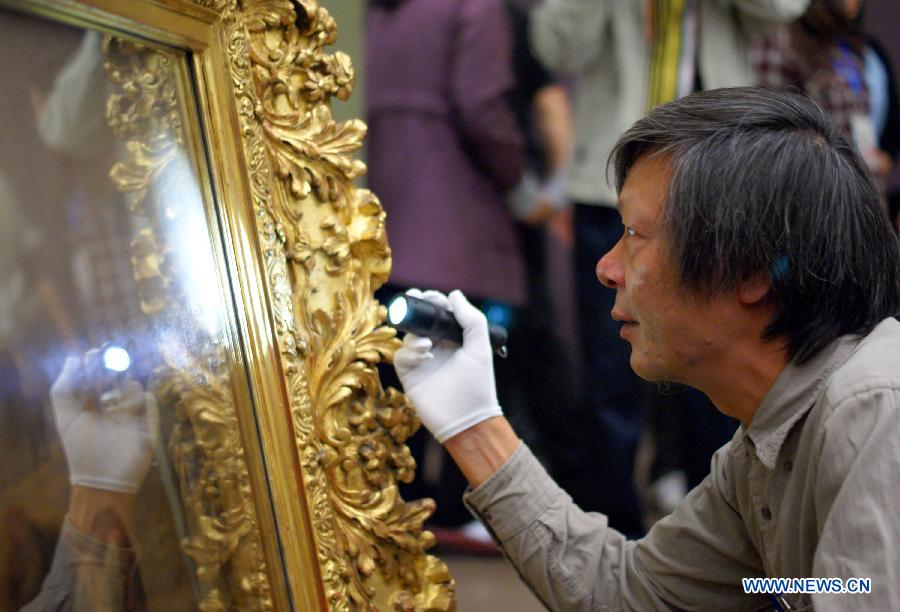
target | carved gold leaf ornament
[
  {"x": 326, "y": 252},
  {"x": 192, "y": 378}
]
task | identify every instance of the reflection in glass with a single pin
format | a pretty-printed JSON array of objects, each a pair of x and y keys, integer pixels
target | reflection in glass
[{"x": 120, "y": 466}]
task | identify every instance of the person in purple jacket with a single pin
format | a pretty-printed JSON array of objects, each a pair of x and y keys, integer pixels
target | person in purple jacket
[
  {"x": 443, "y": 150},
  {"x": 443, "y": 143}
]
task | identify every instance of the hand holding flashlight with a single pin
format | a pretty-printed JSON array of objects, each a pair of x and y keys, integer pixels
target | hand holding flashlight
[
  {"x": 108, "y": 423},
  {"x": 452, "y": 387},
  {"x": 100, "y": 372},
  {"x": 421, "y": 317}
]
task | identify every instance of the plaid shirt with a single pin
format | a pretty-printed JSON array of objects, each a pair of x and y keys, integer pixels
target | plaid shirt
[{"x": 780, "y": 66}]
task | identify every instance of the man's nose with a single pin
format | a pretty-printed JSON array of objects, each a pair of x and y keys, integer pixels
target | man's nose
[{"x": 609, "y": 269}]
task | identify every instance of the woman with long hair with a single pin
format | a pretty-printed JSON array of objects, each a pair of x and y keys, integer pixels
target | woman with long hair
[{"x": 826, "y": 55}]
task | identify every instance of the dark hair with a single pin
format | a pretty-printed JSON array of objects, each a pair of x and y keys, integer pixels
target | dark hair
[
  {"x": 762, "y": 181},
  {"x": 822, "y": 28}
]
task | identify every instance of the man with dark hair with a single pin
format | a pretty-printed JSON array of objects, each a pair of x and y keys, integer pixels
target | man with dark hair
[
  {"x": 757, "y": 266},
  {"x": 625, "y": 57}
]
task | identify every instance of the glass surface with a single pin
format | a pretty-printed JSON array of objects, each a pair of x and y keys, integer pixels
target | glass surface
[{"x": 116, "y": 391}]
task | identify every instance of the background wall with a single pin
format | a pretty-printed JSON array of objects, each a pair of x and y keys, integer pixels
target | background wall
[
  {"x": 882, "y": 21},
  {"x": 349, "y": 16}
]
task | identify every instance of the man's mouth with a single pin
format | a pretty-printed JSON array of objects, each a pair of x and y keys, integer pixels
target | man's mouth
[
  {"x": 618, "y": 316},
  {"x": 627, "y": 324}
]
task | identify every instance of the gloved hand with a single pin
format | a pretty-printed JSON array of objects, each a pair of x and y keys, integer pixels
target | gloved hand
[
  {"x": 452, "y": 387},
  {"x": 108, "y": 437}
]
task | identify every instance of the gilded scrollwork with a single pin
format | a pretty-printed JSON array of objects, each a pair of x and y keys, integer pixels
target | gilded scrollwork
[
  {"x": 326, "y": 252},
  {"x": 220, "y": 6},
  {"x": 206, "y": 452}
]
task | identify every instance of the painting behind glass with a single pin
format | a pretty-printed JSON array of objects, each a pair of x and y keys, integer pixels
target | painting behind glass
[{"x": 114, "y": 344}]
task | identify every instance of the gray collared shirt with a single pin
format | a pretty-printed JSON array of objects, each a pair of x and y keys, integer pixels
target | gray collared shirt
[{"x": 810, "y": 489}]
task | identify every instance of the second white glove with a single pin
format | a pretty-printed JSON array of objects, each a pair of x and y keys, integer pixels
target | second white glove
[
  {"x": 452, "y": 387},
  {"x": 110, "y": 446}
]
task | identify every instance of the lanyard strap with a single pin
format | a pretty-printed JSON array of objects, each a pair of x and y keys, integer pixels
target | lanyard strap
[
  {"x": 847, "y": 68},
  {"x": 672, "y": 26}
]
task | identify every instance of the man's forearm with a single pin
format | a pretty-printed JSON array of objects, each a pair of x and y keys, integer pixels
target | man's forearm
[
  {"x": 100, "y": 514},
  {"x": 483, "y": 449},
  {"x": 555, "y": 125},
  {"x": 93, "y": 565}
]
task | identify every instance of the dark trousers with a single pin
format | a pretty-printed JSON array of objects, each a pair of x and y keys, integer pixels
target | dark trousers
[
  {"x": 686, "y": 429},
  {"x": 613, "y": 397}
]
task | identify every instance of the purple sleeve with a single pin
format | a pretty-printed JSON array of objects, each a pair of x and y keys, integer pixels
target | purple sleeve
[{"x": 481, "y": 77}]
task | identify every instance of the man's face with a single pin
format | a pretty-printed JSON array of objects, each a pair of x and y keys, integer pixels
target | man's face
[{"x": 672, "y": 331}]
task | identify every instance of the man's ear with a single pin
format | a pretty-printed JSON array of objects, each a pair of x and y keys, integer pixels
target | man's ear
[{"x": 755, "y": 289}]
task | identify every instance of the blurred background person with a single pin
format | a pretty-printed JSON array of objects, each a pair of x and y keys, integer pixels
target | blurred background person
[
  {"x": 542, "y": 391},
  {"x": 826, "y": 55},
  {"x": 626, "y": 57},
  {"x": 881, "y": 23},
  {"x": 443, "y": 150}
]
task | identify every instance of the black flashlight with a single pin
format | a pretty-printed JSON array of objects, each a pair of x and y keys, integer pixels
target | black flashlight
[{"x": 421, "y": 317}]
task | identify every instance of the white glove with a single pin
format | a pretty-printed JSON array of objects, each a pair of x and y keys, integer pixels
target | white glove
[
  {"x": 451, "y": 386},
  {"x": 108, "y": 445}
]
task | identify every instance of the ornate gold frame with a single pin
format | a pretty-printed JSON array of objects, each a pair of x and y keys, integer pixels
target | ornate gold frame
[{"x": 315, "y": 457}]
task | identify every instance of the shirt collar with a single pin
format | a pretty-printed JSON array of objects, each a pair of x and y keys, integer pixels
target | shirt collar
[{"x": 790, "y": 398}]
